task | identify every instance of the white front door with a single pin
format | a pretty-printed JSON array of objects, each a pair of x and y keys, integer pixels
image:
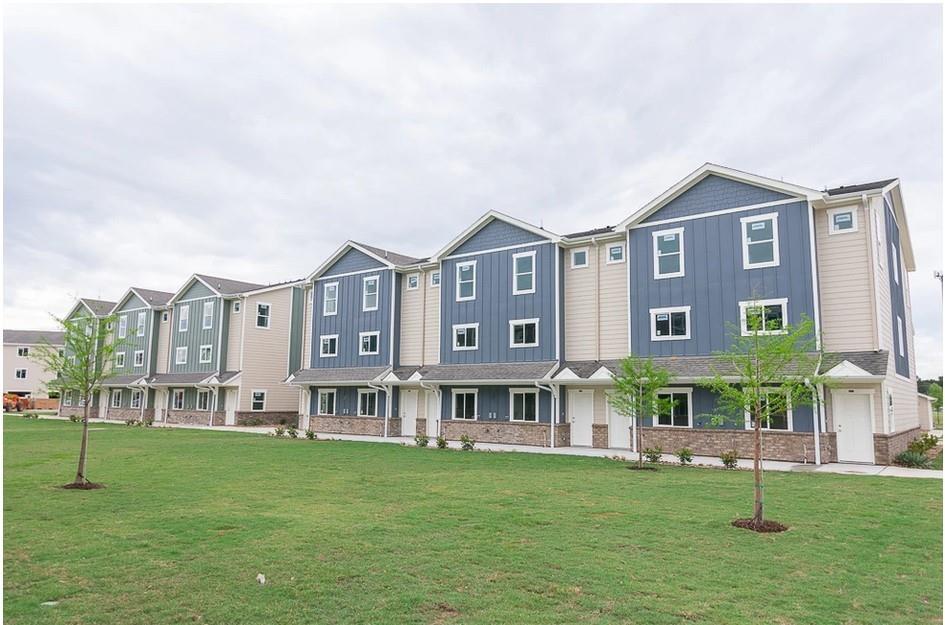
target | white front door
[
  {"x": 230, "y": 407},
  {"x": 619, "y": 432},
  {"x": 852, "y": 419},
  {"x": 408, "y": 412},
  {"x": 160, "y": 398},
  {"x": 104, "y": 401},
  {"x": 433, "y": 414},
  {"x": 582, "y": 417}
]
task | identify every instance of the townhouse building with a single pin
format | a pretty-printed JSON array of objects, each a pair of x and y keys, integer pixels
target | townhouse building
[
  {"x": 22, "y": 374},
  {"x": 93, "y": 312}
]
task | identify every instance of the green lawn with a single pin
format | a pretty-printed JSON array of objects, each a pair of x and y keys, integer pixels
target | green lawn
[{"x": 378, "y": 533}]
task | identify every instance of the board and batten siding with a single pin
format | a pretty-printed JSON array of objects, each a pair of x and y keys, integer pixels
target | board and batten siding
[
  {"x": 595, "y": 306},
  {"x": 881, "y": 265},
  {"x": 847, "y": 304},
  {"x": 307, "y": 329},
  {"x": 195, "y": 336},
  {"x": 897, "y": 292},
  {"x": 713, "y": 193},
  {"x": 132, "y": 341},
  {"x": 266, "y": 352},
  {"x": 494, "y": 403}
]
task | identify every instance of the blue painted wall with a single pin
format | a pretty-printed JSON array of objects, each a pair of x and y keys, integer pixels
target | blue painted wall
[
  {"x": 495, "y": 234},
  {"x": 352, "y": 260},
  {"x": 351, "y": 320},
  {"x": 897, "y": 291},
  {"x": 495, "y": 399},
  {"x": 714, "y": 193},
  {"x": 346, "y": 401}
]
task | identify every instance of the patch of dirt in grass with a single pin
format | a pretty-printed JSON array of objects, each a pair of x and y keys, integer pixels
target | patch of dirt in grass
[
  {"x": 765, "y": 527},
  {"x": 83, "y": 486},
  {"x": 443, "y": 612}
]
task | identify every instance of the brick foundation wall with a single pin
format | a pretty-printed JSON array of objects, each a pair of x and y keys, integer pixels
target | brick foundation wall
[
  {"x": 537, "y": 434},
  {"x": 600, "y": 435},
  {"x": 193, "y": 417},
  {"x": 123, "y": 414},
  {"x": 68, "y": 411},
  {"x": 367, "y": 426},
  {"x": 285, "y": 417},
  {"x": 563, "y": 435},
  {"x": 421, "y": 426},
  {"x": 887, "y": 446},
  {"x": 787, "y": 446},
  {"x": 44, "y": 403}
]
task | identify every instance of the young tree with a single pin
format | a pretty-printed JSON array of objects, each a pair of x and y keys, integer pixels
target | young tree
[
  {"x": 762, "y": 375},
  {"x": 81, "y": 367},
  {"x": 636, "y": 394}
]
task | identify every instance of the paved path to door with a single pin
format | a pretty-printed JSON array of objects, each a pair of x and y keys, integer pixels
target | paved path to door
[{"x": 626, "y": 454}]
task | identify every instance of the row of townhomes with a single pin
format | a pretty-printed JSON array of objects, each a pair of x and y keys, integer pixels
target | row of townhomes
[{"x": 510, "y": 333}]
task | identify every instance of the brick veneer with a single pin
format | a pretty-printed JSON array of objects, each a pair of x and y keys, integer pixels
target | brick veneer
[
  {"x": 600, "y": 435},
  {"x": 788, "y": 446},
  {"x": 123, "y": 414},
  {"x": 887, "y": 446},
  {"x": 193, "y": 417},
  {"x": 421, "y": 426},
  {"x": 68, "y": 411},
  {"x": 286, "y": 417},
  {"x": 538, "y": 434},
  {"x": 369, "y": 426}
]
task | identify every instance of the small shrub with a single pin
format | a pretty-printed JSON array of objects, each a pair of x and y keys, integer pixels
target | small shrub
[
  {"x": 653, "y": 454},
  {"x": 422, "y": 440},
  {"x": 279, "y": 432},
  {"x": 131, "y": 422},
  {"x": 684, "y": 455},
  {"x": 924, "y": 444},
  {"x": 293, "y": 431},
  {"x": 75, "y": 418},
  {"x": 30, "y": 415},
  {"x": 913, "y": 459},
  {"x": 466, "y": 443},
  {"x": 441, "y": 442},
  {"x": 729, "y": 459},
  {"x": 310, "y": 435},
  {"x": 148, "y": 422}
]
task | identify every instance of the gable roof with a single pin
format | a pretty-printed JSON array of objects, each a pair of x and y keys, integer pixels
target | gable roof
[
  {"x": 33, "y": 337},
  {"x": 98, "y": 307},
  {"x": 220, "y": 286},
  {"x": 389, "y": 259},
  {"x": 589, "y": 233},
  {"x": 487, "y": 218},
  {"x": 394, "y": 257},
  {"x": 151, "y": 298},
  {"x": 859, "y": 188}
]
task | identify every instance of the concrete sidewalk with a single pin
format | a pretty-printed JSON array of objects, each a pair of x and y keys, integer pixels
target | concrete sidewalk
[{"x": 591, "y": 452}]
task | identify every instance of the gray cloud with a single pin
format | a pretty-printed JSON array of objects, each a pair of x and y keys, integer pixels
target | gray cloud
[{"x": 144, "y": 143}]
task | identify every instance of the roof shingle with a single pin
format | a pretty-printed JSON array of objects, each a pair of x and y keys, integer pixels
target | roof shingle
[{"x": 33, "y": 337}]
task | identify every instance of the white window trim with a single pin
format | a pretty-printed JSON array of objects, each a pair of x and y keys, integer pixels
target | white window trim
[
  {"x": 466, "y": 263},
  {"x": 268, "y": 316},
  {"x": 119, "y": 360},
  {"x": 23, "y": 352},
  {"x": 321, "y": 346},
  {"x": 435, "y": 285},
  {"x": 522, "y": 391},
  {"x": 831, "y": 230},
  {"x": 209, "y": 352},
  {"x": 252, "y": 400},
  {"x": 895, "y": 262},
  {"x": 776, "y": 257},
  {"x": 116, "y": 398},
  {"x": 417, "y": 285},
  {"x": 679, "y": 232},
  {"x": 365, "y": 391},
  {"x": 463, "y": 391},
  {"x": 743, "y": 314},
  {"x": 361, "y": 336},
  {"x": 67, "y": 398},
  {"x": 183, "y": 399},
  {"x": 587, "y": 257},
  {"x": 623, "y": 254},
  {"x": 318, "y": 402},
  {"x": 165, "y": 317},
  {"x": 17, "y": 376},
  {"x": 901, "y": 331},
  {"x": 463, "y": 326},
  {"x": 136, "y": 397},
  {"x": 237, "y": 307},
  {"x": 202, "y": 391},
  {"x": 183, "y": 319},
  {"x": 123, "y": 326},
  {"x": 204, "y": 317},
  {"x": 767, "y": 427},
  {"x": 325, "y": 299},
  {"x": 377, "y": 292},
  {"x": 135, "y": 363},
  {"x": 177, "y": 355},
  {"x": 512, "y": 324},
  {"x": 515, "y": 274},
  {"x": 670, "y": 310},
  {"x": 678, "y": 390},
  {"x": 141, "y": 323}
]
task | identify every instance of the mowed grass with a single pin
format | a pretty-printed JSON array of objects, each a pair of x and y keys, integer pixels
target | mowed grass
[{"x": 383, "y": 534}]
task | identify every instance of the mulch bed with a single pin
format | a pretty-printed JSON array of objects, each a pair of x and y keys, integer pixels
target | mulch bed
[
  {"x": 764, "y": 527},
  {"x": 81, "y": 486}
]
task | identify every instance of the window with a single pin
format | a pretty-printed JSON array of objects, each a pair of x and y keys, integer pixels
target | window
[
  {"x": 368, "y": 343},
  {"x": 523, "y": 405},
  {"x": 435, "y": 279},
  {"x": 142, "y": 319},
  {"x": 237, "y": 306},
  {"x": 330, "y": 299},
  {"x": 760, "y": 241},
  {"x": 369, "y": 293},
  {"x": 20, "y": 374},
  {"x": 81, "y": 400},
  {"x": 523, "y": 273},
  {"x": 139, "y": 358},
  {"x": 900, "y": 347},
  {"x": 615, "y": 254},
  {"x": 669, "y": 324},
  {"x": 119, "y": 360},
  {"x": 413, "y": 281},
  {"x": 579, "y": 258},
  {"x": 23, "y": 351},
  {"x": 116, "y": 398},
  {"x": 367, "y": 403},
  {"x": 258, "y": 401},
  {"x": 669, "y": 254},
  {"x": 180, "y": 356},
  {"x": 329, "y": 345},
  {"x": 62, "y": 353},
  {"x": 465, "y": 404},
  {"x": 465, "y": 337},
  {"x": 136, "y": 399},
  {"x": 841, "y": 220},
  {"x": 178, "y": 399},
  {"x": 123, "y": 326},
  {"x": 203, "y": 399},
  {"x": 263, "y": 313},
  {"x": 776, "y": 413},
  {"x": 207, "y": 322},
  {"x": 183, "y": 321},
  {"x": 67, "y": 398},
  {"x": 206, "y": 354},
  {"x": 523, "y": 333},
  {"x": 675, "y": 409},
  {"x": 326, "y": 401},
  {"x": 895, "y": 262},
  {"x": 465, "y": 281},
  {"x": 767, "y": 316},
  {"x": 164, "y": 317}
]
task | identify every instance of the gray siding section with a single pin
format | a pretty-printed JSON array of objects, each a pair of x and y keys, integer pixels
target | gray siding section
[
  {"x": 155, "y": 331},
  {"x": 197, "y": 289},
  {"x": 352, "y": 260},
  {"x": 494, "y": 403},
  {"x": 346, "y": 401},
  {"x": 132, "y": 302},
  {"x": 398, "y": 285},
  {"x": 133, "y": 342},
  {"x": 495, "y": 234},
  {"x": 495, "y": 306},
  {"x": 227, "y": 309},
  {"x": 715, "y": 281},
  {"x": 897, "y": 298},
  {"x": 190, "y": 399},
  {"x": 194, "y": 337},
  {"x": 351, "y": 320},
  {"x": 295, "y": 329},
  {"x": 715, "y": 193}
]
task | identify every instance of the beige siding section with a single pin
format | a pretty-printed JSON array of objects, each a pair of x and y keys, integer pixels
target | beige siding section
[
  {"x": 307, "y": 330},
  {"x": 412, "y": 319},
  {"x": 905, "y": 396},
  {"x": 847, "y": 304},
  {"x": 266, "y": 353},
  {"x": 431, "y": 325},
  {"x": 842, "y": 388},
  {"x": 233, "y": 337},
  {"x": 36, "y": 375},
  {"x": 881, "y": 282},
  {"x": 163, "y": 342},
  {"x": 595, "y": 306}
]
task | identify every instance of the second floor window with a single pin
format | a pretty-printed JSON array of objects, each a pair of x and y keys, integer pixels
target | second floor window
[
  {"x": 122, "y": 326},
  {"x": 237, "y": 306},
  {"x": 142, "y": 320},
  {"x": 206, "y": 353},
  {"x": 139, "y": 358},
  {"x": 23, "y": 351},
  {"x": 615, "y": 254},
  {"x": 466, "y": 281},
  {"x": 413, "y": 281},
  {"x": 842, "y": 220},
  {"x": 180, "y": 356},
  {"x": 183, "y": 320},
  {"x": 369, "y": 294},
  {"x": 435, "y": 279},
  {"x": 263, "y": 313},
  {"x": 895, "y": 262},
  {"x": 466, "y": 337},
  {"x": 119, "y": 360},
  {"x": 207, "y": 316},
  {"x": 768, "y": 316},
  {"x": 523, "y": 273},
  {"x": 579, "y": 258},
  {"x": 523, "y": 333},
  {"x": 760, "y": 241},
  {"x": 329, "y": 346},
  {"x": 669, "y": 324},
  {"x": 669, "y": 255},
  {"x": 368, "y": 343},
  {"x": 21, "y": 374},
  {"x": 330, "y": 299}
]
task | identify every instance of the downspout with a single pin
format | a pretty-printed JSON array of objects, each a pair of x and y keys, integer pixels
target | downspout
[
  {"x": 439, "y": 400},
  {"x": 553, "y": 390}
]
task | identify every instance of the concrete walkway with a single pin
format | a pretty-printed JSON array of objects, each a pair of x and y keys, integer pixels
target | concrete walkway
[{"x": 591, "y": 452}]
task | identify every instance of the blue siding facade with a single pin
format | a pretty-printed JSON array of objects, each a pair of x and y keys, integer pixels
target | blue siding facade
[
  {"x": 897, "y": 296},
  {"x": 714, "y": 193},
  {"x": 352, "y": 260},
  {"x": 494, "y": 403},
  {"x": 346, "y": 401},
  {"x": 496, "y": 234}
]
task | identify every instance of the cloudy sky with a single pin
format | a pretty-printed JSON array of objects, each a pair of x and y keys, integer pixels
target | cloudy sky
[{"x": 145, "y": 143}]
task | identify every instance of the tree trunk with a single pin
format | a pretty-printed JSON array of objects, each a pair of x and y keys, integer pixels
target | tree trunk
[
  {"x": 759, "y": 485},
  {"x": 80, "y": 472}
]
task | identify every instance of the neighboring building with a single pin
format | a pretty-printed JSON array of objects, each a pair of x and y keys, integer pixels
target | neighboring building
[
  {"x": 92, "y": 311},
  {"x": 22, "y": 374}
]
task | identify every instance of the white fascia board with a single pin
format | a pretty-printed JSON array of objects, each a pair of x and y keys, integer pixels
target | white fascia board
[{"x": 187, "y": 284}]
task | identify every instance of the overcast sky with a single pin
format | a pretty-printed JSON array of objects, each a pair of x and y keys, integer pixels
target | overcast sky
[{"x": 145, "y": 143}]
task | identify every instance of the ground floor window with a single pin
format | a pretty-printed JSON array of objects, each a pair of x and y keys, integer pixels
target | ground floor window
[
  {"x": 326, "y": 402},
  {"x": 465, "y": 404},
  {"x": 524, "y": 405},
  {"x": 135, "y": 399},
  {"x": 178, "y": 399},
  {"x": 367, "y": 403},
  {"x": 67, "y": 398},
  {"x": 259, "y": 401},
  {"x": 776, "y": 411},
  {"x": 203, "y": 400},
  {"x": 116, "y": 398},
  {"x": 675, "y": 409}
]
